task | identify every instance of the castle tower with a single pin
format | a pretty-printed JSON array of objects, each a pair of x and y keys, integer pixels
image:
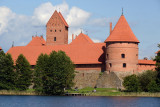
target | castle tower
[
  {"x": 56, "y": 30},
  {"x": 121, "y": 48}
]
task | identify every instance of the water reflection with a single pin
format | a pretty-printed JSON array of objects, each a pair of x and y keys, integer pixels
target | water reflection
[{"x": 79, "y": 101}]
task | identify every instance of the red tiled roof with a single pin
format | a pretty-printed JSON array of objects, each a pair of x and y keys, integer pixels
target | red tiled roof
[
  {"x": 122, "y": 32},
  {"x": 37, "y": 41},
  {"x": 150, "y": 62},
  {"x": 63, "y": 19},
  {"x": 157, "y": 51},
  {"x": 0, "y": 48},
  {"x": 79, "y": 54},
  {"x": 60, "y": 15},
  {"x": 81, "y": 39}
]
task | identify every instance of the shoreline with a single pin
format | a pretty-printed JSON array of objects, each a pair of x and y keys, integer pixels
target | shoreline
[{"x": 100, "y": 94}]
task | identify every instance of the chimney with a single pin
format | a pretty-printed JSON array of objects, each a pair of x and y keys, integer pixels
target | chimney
[
  {"x": 72, "y": 37},
  {"x": 110, "y": 27}
]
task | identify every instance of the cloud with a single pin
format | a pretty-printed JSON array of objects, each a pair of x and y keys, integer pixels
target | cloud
[
  {"x": 77, "y": 17},
  {"x": 96, "y": 40},
  {"x": 5, "y": 16}
]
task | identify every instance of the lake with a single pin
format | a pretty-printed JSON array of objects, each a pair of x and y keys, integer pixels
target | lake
[{"x": 77, "y": 101}]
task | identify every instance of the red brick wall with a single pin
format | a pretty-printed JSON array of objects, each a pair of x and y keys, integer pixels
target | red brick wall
[
  {"x": 98, "y": 67},
  {"x": 113, "y": 56},
  {"x": 56, "y": 28},
  {"x": 144, "y": 67}
]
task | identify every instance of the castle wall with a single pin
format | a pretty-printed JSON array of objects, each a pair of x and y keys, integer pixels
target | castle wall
[
  {"x": 144, "y": 67},
  {"x": 115, "y": 60},
  {"x": 85, "y": 67}
]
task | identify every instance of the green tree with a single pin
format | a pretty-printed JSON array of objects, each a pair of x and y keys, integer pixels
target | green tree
[
  {"x": 152, "y": 86},
  {"x": 145, "y": 78},
  {"x": 57, "y": 73},
  {"x": 23, "y": 73},
  {"x": 7, "y": 74},
  {"x": 40, "y": 68},
  {"x": 131, "y": 83}
]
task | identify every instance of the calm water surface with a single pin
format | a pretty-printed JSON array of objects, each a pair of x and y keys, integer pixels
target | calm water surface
[{"x": 79, "y": 101}]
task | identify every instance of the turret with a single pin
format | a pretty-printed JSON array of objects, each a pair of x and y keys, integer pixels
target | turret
[{"x": 121, "y": 48}]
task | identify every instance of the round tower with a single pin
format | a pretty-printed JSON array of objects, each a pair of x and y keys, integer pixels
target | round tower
[{"x": 121, "y": 48}]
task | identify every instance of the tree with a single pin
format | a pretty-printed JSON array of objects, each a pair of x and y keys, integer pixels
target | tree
[
  {"x": 152, "y": 86},
  {"x": 7, "y": 74},
  {"x": 57, "y": 73},
  {"x": 157, "y": 59},
  {"x": 145, "y": 78},
  {"x": 40, "y": 68},
  {"x": 23, "y": 73},
  {"x": 131, "y": 83}
]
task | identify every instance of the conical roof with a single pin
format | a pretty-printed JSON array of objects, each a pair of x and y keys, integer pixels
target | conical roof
[
  {"x": 82, "y": 39},
  {"x": 122, "y": 32},
  {"x": 37, "y": 41}
]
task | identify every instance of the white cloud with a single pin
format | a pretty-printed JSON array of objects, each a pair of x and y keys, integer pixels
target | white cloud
[
  {"x": 5, "y": 16},
  {"x": 77, "y": 17},
  {"x": 44, "y": 12},
  {"x": 96, "y": 40}
]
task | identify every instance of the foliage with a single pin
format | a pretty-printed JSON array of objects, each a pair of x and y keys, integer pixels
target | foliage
[
  {"x": 152, "y": 86},
  {"x": 7, "y": 74},
  {"x": 145, "y": 78},
  {"x": 131, "y": 83},
  {"x": 23, "y": 73},
  {"x": 157, "y": 59},
  {"x": 56, "y": 73},
  {"x": 40, "y": 68}
]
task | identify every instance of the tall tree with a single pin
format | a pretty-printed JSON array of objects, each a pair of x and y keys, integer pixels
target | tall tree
[
  {"x": 40, "y": 68},
  {"x": 157, "y": 59},
  {"x": 57, "y": 73},
  {"x": 7, "y": 74},
  {"x": 23, "y": 73}
]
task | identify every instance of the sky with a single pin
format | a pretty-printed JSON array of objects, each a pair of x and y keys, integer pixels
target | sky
[{"x": 22, "y": 19}]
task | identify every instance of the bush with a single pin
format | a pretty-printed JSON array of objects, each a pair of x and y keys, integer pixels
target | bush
[
  {"x": 145, "y": 78},
  {"x": 131, "y": 83},
  {"x": 152, "y": 86}
]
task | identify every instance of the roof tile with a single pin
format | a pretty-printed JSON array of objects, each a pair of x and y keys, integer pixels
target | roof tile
[{"x": 122, "y": 32}]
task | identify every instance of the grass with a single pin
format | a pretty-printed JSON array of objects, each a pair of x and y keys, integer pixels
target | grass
[
  {"x": 14, "y": 92},
  {"x": 112, "y": 92}
]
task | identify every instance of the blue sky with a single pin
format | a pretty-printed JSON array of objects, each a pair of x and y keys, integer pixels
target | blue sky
[{"x": 21, "y": 19}]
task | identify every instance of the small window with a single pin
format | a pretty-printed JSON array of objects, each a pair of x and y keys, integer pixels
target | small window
[
  {"x": 107, "y": 56},
  {"x": 110, "y": 64},
  {"x": 123, "y": 55},
  {"x": 54, "y": 38},
  {"x": 50, "y": 30},
  {"x": 55, "y": 30},
  {"x": 124, "y": 65},
  {"x": 60, "y": 30}
]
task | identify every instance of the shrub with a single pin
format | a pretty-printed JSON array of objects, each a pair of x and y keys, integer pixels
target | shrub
[{"x": 131, "y": 83}]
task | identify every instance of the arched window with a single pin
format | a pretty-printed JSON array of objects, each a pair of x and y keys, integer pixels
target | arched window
[{"x": 122, "y": 55}]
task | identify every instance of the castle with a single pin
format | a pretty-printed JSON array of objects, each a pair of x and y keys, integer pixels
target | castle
[{"x": 116, "y": 57}]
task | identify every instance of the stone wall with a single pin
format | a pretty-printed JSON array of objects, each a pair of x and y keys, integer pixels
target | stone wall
[
  {"x": 86, "y": 78},
  {"x": 92, "y": 78}
]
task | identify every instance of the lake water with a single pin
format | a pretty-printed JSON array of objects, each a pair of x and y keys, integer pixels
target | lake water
[{"x": 77, "y": 101}]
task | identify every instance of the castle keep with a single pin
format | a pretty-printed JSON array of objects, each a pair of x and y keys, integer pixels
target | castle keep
[{"x": 115, "y": 58}]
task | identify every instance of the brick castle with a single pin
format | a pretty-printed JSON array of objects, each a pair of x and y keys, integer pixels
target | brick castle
[{"x": 116, "y": 57}]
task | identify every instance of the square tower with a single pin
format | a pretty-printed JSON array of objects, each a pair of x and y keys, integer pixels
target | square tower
[{"x": 56, "y": 30}]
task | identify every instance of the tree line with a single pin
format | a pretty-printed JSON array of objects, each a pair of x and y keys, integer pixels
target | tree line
[
  {"x": 51, "y": 75},
  {"x": 148, "y": 81}
]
